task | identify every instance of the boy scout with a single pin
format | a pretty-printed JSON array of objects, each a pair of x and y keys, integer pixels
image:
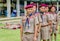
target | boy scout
[
  {"x": 39, "y": 19},
  {"x": 54, "y": 18},
  {"x": 31, "y": 25},
  {"x": 45, "y": 23},
  {"x": 34, "y": 7},
  {"x": 50, "y": 21}
]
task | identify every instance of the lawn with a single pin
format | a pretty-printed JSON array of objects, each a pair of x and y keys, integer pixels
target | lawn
[
  {"x": 13, "y": 35},
  {"x": 58, "y": 37},
  {"x": 9, "y": 35}
]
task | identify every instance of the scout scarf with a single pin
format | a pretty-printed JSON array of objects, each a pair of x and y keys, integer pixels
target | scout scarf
[
  {"x": 27, "y": 21},
  {"x": 42, "y": 16}
]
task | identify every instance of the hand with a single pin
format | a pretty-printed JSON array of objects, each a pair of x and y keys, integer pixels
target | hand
[
  {"x": 35, "y": 39},
  {"x": 50, "y": 30},
  {"x": 56, "y": 28},
  {"x": 38, "y": 31}
]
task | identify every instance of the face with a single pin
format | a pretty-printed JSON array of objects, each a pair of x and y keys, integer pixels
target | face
[
  {"x": 53, "y": 9},
  {"x": 29, "y": 10},
  {"x": 42, "y": 9},
  {"x": 46, "y": 9},
  {"x": 34, "y": 8}
]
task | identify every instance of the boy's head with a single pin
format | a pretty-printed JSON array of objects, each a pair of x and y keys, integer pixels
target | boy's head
[{"x": 42, "y": 7}]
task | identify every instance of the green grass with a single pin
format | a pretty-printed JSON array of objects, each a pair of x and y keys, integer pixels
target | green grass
[
  {"x": 13, "y": 35},
  {"x": 2, "y": 24},
  {"x": 58, "y": 37},
  {"x": 9, "y": 35}
]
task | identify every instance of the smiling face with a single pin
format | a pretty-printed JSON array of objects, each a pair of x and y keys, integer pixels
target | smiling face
[
  {"x": 42, "y": 9},
  {"x": 29, "y": 10},
  {"x": 34, "y": 8},
  {"x": 53, "y": 9}
]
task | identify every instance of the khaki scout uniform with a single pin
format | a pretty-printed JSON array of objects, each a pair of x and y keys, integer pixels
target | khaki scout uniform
[
  {"x": 40, "y": 21},
  {"x": 28, "y": 29},
  {"x": 54, "y": 18},
  {"x": 45, "y": 29}
]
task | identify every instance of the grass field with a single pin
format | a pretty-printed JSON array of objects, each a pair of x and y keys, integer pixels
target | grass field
[
  {"x": 13, "y": 35},
  {"x": 9, "y": 35}
]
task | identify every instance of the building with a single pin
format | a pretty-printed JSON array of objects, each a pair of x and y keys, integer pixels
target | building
[
  {"x": 9, "y": 7},
  {"x": 49, "y": 2},
  {"x": 15, "y": 8}
]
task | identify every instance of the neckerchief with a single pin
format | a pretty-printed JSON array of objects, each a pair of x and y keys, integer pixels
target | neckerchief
[
  {"x": 42, "y": 15},
  {"x": 27, "y": 20}
]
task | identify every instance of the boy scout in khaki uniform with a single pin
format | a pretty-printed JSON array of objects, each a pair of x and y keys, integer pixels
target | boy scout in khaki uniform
[
  {"x": 50, "y": 20},
  {"x": 45, "y": 23},
  {"x": 30, "y": 25},
  {"x": 54, "y": 18},
  {"x": 37, "y": 14}
]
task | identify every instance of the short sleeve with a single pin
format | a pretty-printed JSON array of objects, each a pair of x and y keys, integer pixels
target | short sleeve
[
  {"x": 22, "y": 20},
  {"x": 36, "y": 20},
  {"x": 39, "y": 19},
  {"x": 57, "y": 17},
  {"x": 49, "y": 17}
]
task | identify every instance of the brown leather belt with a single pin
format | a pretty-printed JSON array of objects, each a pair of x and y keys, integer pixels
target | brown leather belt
[
  {"x": 45, "y": 26},
  {"x": 28, "y": 33},
  {"x": 54, "y": 24}
]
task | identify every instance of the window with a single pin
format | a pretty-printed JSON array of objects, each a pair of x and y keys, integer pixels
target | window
[
  {"x": 3, "y": 8},
  {"x": 21, "y": 8},
  {"x": 13, "y": 8}
]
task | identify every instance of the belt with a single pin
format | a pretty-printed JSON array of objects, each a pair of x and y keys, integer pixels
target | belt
[
  {"x": 44, "y": 25},
  {"x": 28, "y": 33},
  {"x": 54, "y": 24}
]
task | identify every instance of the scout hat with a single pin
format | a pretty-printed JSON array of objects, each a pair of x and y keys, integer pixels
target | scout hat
[
  {"x": 29, "y": 6},
  {"x": 45, "y": 5}
]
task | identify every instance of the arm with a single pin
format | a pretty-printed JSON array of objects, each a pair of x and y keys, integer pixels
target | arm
[
  {"x": 57, "y": 22},
  {"x": 21, "y": 32},
  {"x": 39, "y": 27},
  {"x": 40, "y": 21},
  {"x": 35, "y": 32},
  {"x": 50, "y": 24},
  {"x": 21, "y": 29},
  {"x": 36, "y": 28},
  {"x": 57, "y": 26}
]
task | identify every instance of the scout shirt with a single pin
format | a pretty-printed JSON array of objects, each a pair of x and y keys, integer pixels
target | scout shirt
[
  {"x": 40, "y": 21},
  {"x": 44, "y": 18},
  {"x": 54, "y": 18},
  {"x": 29, "y": 24},
  {"x": 44, "y": 25},
  {"x": 38, "y": 17}
]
